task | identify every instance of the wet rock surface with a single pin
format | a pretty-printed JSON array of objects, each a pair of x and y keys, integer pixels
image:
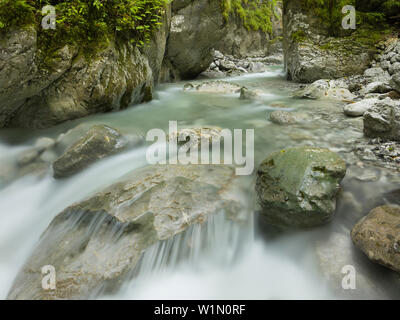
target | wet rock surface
[
  {"x": 194, "y": 137},
  {"x": 383, "y": 120},
  {"x": 297, "y": 187},
  {"x": 325, "y": 89},
  {"x": 359, "y": 108},
  {"x": 282, "y": 117},
  {"x": 217, "y": 86},
  {"x": 96, "y": 243},
  {"x": 40, "y": 96},
  {"x": 99, "y": 142},
  {"x": 377, "y": 235}
]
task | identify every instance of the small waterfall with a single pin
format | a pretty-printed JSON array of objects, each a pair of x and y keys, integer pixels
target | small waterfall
[{"x": 218, "y": 243}]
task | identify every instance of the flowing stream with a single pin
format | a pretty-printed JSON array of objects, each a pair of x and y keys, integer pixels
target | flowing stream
[{"x": 225, "y": 261}]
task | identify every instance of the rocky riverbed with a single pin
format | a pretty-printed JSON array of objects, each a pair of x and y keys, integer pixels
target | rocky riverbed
[
  {"x": 317, "y": 216},
  {"x": 186, "y": 210}
]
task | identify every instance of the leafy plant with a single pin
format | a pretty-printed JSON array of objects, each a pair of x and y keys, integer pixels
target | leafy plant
[
  {"x": 370, "y": 13},
  {"x": 255, "y": 14},
  {"x": 86, "y": 23}
]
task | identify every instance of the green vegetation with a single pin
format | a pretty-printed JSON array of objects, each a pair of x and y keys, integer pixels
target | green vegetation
[
  {"x": 388, "y": 8},
  {"x": 255, "y": 14},
  {"x": 298, "y": 36},
  {"x": 370, "y": 13},
  {"x": 86, "y": 23},
  {"x": 329, "y": 12}
]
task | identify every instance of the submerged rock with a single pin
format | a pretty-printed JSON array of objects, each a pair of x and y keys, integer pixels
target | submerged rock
[
  {"x": 297, "y": 187},
  {"x": 198, "y": 27},
  {"x": 99, "y": 142},
  {"x": 95, "y": 244},
  {"x": 247, "y": 94},
  {"x": 217, "y": 86},
  {"x": 282, "y": 117},
  {"x": 378, "y": 236},
  {"x": 194, "y": 136}
]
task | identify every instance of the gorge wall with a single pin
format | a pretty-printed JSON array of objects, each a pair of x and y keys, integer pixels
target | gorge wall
[
  {"x": 71, "y": 86},
  {"x": 311, "y": 53}
]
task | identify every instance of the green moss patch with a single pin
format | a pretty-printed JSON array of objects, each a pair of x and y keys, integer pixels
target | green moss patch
[
  {"x": 255, "y": 15},
  {"x": 88, "y": 24}
]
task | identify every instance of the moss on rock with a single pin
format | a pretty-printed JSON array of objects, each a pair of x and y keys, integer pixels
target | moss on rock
[
  {"x": 254, "y": 15},
  {"x": 88, "y": 24}
]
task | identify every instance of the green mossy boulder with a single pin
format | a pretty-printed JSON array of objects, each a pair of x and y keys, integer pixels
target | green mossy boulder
[{"x": 297, "y": 187}]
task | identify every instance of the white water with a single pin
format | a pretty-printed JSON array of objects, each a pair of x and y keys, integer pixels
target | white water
[{"x": 224, "y": 260}]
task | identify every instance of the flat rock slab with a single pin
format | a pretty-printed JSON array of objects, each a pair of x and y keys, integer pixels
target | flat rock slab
[
  {"x": 217, "y": 86},
  {"x": 95, "y": 244}
]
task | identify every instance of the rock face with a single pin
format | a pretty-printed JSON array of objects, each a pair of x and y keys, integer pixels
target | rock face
[
  {"x": 69, "y": 86},
  {"x": 198, "y": 26},
  {"x": 38, "y": 94},
  {"x": 383, "y": 120},
  {"x": 378, "y": 236},
  {"x": 99, "y": 142},
  {"x": 310, "y": 54},
  {"x": 297, "y": 187},
  {"x": 94, "y": 244}
]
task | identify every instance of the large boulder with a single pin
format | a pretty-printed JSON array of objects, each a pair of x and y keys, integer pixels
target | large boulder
[
  {"x": 297, "y": 187},
  {"x": 378, "y": 236},
  {"x": 195, "y": 29},
  {"x": 359, "y": 108},
  {"x": 383, "y": 120},
  {"x": 93, "y": 245},
  {"x": 325, "y": 89},
  {"x": 99, "y": 142}
]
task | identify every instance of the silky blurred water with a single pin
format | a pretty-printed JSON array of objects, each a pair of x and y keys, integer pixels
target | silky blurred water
[{"x": 226, "y": 261}]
